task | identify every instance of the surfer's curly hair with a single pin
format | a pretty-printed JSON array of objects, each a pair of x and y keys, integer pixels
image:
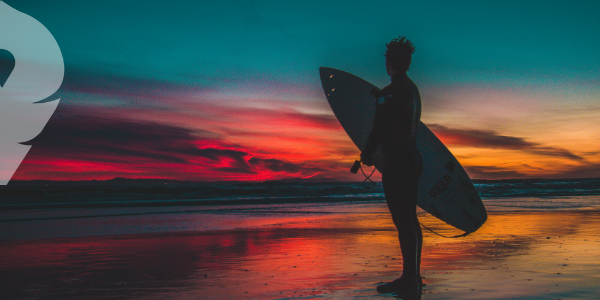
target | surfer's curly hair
[{"x": 399, "y": 52}]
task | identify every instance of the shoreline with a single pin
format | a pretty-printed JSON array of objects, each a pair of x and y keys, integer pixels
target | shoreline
[{"x": 515, "y": 255}]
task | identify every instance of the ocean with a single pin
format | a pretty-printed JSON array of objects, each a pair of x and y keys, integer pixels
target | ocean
[
  {"x": 286, "y": 240},
  {"x": 79, "y": 209}
]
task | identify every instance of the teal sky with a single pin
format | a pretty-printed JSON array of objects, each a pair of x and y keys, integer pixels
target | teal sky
[
  {"x": 519, "y": 69},
  {"x": 288, "y": 40}
]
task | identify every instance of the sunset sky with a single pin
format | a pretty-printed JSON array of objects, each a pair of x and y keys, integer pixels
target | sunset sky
[{"x": 230, "y": 90}]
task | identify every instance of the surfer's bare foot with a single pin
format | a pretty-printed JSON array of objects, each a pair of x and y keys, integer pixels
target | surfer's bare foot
[
  {"x": 414, "y": 294},
  {"x": 402, "y": 286}
]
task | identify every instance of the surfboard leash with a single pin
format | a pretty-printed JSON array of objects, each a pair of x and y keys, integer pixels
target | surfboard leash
[
  {"x": 373, "y": 184},
  {"x": 448, "y": 237},
  {"x": 365, "y": 184}
]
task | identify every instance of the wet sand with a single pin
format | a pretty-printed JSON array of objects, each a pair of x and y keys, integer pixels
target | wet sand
[{"x": 515, "y": 255}]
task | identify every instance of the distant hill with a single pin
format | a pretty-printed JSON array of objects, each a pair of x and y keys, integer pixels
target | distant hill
[
  {"x": 111, "y": 182},
  {"x": 119, "y": 181},
  {"x": 304, "y": 180}
]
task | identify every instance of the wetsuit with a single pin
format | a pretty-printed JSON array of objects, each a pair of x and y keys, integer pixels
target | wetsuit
[{"x": 397, "y": 115}]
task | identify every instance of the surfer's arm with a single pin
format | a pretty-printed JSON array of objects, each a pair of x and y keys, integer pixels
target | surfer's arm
[
  {"x": 373, "y": 142},
  {"x": 375, "y": 136}
]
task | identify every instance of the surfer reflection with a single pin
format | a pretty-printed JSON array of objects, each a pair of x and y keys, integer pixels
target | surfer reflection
[{"x": 397, "y": 114}]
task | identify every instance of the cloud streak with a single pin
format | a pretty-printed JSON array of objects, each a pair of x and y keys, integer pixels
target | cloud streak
[
  {"x": 99, "y": 146},
  {"x": 89, "y": 87},
  {"x": 493, "y": 140},
  {"x": 493, "y": 172}
]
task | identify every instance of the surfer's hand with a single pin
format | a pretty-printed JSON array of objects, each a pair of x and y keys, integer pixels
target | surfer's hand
[
  {"x": 374, "y": 93},
  {"x": 366, "y": 159}
]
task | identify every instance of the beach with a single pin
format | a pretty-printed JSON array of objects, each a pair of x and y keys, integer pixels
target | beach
[{"x": 293, "y": 251}]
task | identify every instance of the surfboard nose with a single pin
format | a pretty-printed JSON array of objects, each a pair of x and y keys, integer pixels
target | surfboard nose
[
  {"x": 327, "y": 72},
  {"x": 326, "y": 75}
]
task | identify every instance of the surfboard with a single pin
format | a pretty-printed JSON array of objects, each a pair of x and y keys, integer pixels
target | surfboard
[{"x": 445, "y": 189}]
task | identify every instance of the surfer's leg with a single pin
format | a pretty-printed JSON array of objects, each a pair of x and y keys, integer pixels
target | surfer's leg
[
  {"x": 415, "y": 192},
  {"x": 400, "y": 193},
  {"x": 417, "y": 227}
]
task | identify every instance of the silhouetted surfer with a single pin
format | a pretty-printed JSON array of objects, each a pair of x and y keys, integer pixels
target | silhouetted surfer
[{"x": 397, "y": 115}]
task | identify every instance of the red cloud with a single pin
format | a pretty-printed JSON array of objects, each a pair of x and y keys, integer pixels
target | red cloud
[{"x": 84, "y": 147}]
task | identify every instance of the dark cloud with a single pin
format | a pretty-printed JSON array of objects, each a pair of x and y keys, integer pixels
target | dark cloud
[
  {"x": 590, "y": 170},
  {"x": 479, "y": 138},
  {"x": 551, "y": 151},
  {"x": 591, "y": 152},
  {"x": 216, "y": 154},
  {"x": 236, "y": 160},
  {"x": 276, "y": 165},
  {"x": 491, "y": 139},
  {"x": 103, "y": 139},
  {"x": 145, "y": 146},
  {"x": 244, "y": 163},
  {"x": 492, "y": 172},
  {"x": 533, "y": 168},
  {"x": 317, "y": 120},
  {"x": 122, "y": 89}
]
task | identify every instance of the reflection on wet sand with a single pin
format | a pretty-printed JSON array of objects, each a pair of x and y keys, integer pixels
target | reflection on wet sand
[{"x": 533, "y": 255}]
